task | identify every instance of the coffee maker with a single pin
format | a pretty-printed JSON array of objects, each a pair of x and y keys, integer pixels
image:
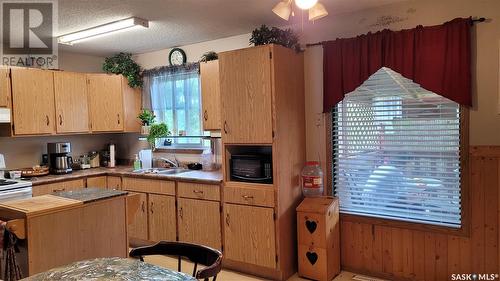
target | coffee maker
[{"x": 59, "y": 159}]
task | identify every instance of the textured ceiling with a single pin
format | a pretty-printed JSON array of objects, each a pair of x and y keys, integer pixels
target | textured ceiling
[{"x": 176, "y": 22}]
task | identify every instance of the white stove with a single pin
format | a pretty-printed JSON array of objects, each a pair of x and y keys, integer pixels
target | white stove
[{"x": 13, "y": 189}]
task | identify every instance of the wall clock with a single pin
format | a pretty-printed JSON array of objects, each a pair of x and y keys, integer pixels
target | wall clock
[{"x": 177, "y": 56}]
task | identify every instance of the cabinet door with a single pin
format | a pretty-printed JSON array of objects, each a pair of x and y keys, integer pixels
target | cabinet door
[
  {"x": 199, "y": 222},
  {"x": 246, "y": 95},
  {"x": 4, "y": 87},
  {"x": 139, "y": 226},
  {"x": 162, "y": 225},
  {"x": 72, "y": 114},
  {"x": 132, "y": 103},
  {"x": 249, "y": 235},
  {"x": 210, "y": 95},
  {"x": 99, "y": 182},
  {"x": 33, "y": 101},
  {"x": 114, "y": 183},
  {"x": 106, "y": 102}
]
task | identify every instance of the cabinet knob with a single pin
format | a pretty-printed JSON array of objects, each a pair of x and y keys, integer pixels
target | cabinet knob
[{"x": 205, "y": 115}]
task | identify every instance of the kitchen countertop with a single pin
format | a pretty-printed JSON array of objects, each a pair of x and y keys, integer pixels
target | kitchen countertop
[
  {"x": 87, "y": 195},
  {"x": 214, "y": 177}
]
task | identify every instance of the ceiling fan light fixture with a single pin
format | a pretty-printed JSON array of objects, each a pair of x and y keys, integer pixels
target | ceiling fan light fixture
[
  {"x": 283, "y": 9},
  {"x": 317, "y": 11},
  {"x": 305, "y": 4}
]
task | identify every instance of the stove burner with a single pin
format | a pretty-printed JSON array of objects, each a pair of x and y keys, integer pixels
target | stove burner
[{"x": 6, "y": 182}]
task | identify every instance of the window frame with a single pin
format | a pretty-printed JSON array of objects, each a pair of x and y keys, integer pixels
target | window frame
[{"x": 464, "y": 229}]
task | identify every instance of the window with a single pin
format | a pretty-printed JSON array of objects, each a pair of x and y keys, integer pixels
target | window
[
  {"x": 396, "y": 152},
  {"x": 176, "y": 101}
]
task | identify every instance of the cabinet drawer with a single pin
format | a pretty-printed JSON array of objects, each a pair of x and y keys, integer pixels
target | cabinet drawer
[
  {"x": 249, "y": 195},
  {"x": 58, "y": 186},
  {"x": 149, "y": 186},
  {"x": 199, "y": 191}
]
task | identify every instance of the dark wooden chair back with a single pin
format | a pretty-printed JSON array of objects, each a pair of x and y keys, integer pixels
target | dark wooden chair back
[{"x": 198, "y": 254}]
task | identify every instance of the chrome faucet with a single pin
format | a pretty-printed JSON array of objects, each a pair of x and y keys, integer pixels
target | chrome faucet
[{"x": 174, "y": 163}]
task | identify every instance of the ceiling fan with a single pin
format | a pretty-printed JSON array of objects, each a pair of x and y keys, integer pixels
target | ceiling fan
[{"x": 316, "y": 10}]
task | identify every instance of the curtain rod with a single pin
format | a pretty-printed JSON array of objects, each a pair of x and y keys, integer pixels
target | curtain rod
[{"x": 321, "y": 43}]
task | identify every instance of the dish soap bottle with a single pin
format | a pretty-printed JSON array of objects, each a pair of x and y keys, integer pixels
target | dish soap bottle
[{"x": 137, "y": 162}]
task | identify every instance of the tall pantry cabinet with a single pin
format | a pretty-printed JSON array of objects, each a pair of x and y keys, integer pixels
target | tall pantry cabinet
[{"x": 262, "y": 93}]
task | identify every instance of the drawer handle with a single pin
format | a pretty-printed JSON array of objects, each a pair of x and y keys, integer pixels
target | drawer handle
[
  {"x": 58, "y": 189},
  {"x": 47, "y": 120},
  {"x": 205, "y": 115},
  {"x": 246, "y": 197},
  {"x": 227, "y": 219},
  {"x": 118, "y": 115},
  {"x": 60, "y": 120},
  {"x": 181, "y": 213},
  {"x": 225, "y": 127},
  {"x": 198, "y": 192}
]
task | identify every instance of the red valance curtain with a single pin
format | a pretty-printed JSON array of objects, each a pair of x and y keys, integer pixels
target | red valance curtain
[{"x": 436, "y": 57}]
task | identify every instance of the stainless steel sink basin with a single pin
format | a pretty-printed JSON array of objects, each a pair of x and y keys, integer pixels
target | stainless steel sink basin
[{"x": 161, "y": 171}]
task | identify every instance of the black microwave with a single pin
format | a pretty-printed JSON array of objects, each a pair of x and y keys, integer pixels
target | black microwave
[{"x": 251, "y": 168}]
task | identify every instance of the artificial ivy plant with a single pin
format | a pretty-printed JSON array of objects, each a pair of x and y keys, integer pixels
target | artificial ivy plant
[
  {"x": 123, "y": 63},
  {"x": 284, "y": 37}
]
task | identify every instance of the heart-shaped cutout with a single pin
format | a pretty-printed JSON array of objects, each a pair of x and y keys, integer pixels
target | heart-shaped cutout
[
  {"x": 312, "y": 257},
  {"x": 311, "y": 226}
]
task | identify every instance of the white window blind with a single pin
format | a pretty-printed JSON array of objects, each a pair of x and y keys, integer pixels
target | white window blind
[{"x": 396, "y": 152}]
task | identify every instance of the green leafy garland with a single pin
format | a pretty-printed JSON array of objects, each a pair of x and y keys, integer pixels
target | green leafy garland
[
  {"x": 123, "y": 63},
  {"x": 284, "y": 37}
]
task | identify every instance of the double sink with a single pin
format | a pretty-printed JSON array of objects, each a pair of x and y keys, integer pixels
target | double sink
[{"x": 162, "y": 171}]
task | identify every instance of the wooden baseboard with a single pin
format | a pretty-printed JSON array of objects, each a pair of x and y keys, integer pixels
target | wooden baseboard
[{"x": 256, "y": 270}]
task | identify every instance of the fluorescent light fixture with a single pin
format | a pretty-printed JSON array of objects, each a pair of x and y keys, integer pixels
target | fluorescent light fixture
[{"x": 104, "y": 29}]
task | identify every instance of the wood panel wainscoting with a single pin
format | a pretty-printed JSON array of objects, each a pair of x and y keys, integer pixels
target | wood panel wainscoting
[{"x": 402, "y": 252}]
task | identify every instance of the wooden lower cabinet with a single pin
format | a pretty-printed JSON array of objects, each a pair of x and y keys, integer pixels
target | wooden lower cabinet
[
  {"x": 249, "y": 235},
  {"x": 114, "y": 182},
  {"x": 58, "y": 186},
  {"x": 99, "y": 182},
  {"x": 199, "y": 222},
  {"x": 139, "y": 227},
  {"x": 162, "y": 223}
]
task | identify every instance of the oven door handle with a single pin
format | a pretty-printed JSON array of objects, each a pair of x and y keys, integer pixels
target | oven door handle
[{"x": 251, "y": 179}]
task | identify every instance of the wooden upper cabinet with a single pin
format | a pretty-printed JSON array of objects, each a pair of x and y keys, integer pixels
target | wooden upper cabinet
[
  {"x": 210, "y": 95},
  {"x": 33, "y": 101},
  {"x": 71, "y": 100},
  {"x": 246, "y": 95},
  {"x": 249, "y": 235},
  {"x": 4, "y": 87},
  {"x": 132, "y": 104},
  {"x": 106, "y": 102}
]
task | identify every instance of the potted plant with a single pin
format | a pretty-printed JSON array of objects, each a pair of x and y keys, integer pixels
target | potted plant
[
  {"x": 147, "y": 118},
  {"x": 158, "y": 130}
]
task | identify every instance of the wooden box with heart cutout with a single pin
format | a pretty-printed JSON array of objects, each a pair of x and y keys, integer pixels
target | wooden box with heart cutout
[{"x": 318, "y": 238}]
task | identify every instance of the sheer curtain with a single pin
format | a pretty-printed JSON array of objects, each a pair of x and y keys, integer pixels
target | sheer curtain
[{"x": 174, "y": 97}]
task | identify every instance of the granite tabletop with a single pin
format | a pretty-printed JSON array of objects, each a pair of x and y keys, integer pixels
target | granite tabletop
[
  {"x": 87, "y": 195},
  {"x": 110, "y": 269},
  {"x": 214, "y": 177}
]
